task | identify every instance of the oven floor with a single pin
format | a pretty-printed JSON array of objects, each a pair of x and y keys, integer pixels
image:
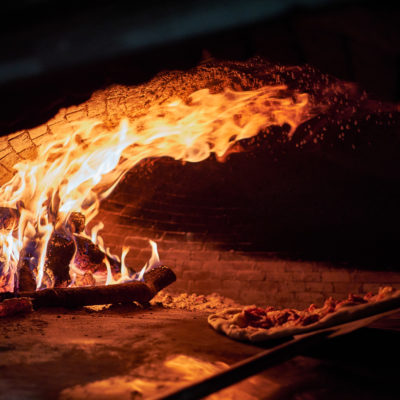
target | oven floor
[{"x": 58, "y": 353}]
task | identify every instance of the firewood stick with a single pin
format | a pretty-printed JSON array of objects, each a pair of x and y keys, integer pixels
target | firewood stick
[
  {"x": 142, "y": 292},
  {"x": 159, "y": 278}
]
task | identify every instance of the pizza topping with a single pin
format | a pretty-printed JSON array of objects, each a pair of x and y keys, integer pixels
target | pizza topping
[
  {"x": 269, "y": 317},
  {"x": 352, "y": 300},
  {"x": 309, "y": 319}
]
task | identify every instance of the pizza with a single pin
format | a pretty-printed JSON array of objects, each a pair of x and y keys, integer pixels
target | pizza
[{"x": 257, "y": 324}]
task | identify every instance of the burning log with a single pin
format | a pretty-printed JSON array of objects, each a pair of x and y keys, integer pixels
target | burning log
[
  {"x": 26, "y": 279},
  {"x": 76, "y": 222},
  {"x": 8, "y": 218},
  {"x": 142, "y": 292},
  {"x": 60, "y": 251},
  {"x": 90, "y": 258}
]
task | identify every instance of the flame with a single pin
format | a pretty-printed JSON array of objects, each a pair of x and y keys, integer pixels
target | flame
[{"x": 75, "y": 171}]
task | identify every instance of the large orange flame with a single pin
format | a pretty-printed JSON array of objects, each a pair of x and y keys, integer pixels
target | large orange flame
[{"x": 75, "y": 171}]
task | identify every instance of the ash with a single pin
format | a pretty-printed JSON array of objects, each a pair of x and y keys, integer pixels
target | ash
[{"x": 193, "y": 302}]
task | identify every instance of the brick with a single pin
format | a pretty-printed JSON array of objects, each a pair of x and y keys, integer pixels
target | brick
[
  {"x": 206, "y": 286},
  {"x": 204, "y": 256},
  {"x": 96, "y": 105},
  {"x": 136, "y": 242},
  {"x": 112, "y": 206},
  {"x": 38, "y": 131},
  {"x": 15, "y": 134},
  {"x": 240, "y": 265},
  {"x": 225, "y": 267},
  {"x": 278, "y": 276},
  {"x": 5, "y": 152},
  {"x": 29, "y": 153},
  {"x": 3, "y": 143},
  {"x": 5, "y": 175},
  {"x": 110, "y": 238},
  {"x": 232, "y": 256},
  {"x": 196, "y": 275},
  {"x": 322, "y": 287},
  {"x": 336, "y": 276},
  {"x": 116, "y": 106},
  {"x": 292, "y": 266},
  {"x": 190, "y": 246},
  {"x": 61, "y": 128},
  {"x": 306, "y": 276},
  {"x": 59, "y": 117},
  {"x": 268, "y": 287},
  {"x": 231, "y": 284},
  {"x": 181, "y": 256},
  {"x": 347, "y": 287},
  {"x": 310, "y": 297},
  {"x": 257, "y": 297},
  {"x": 377, "y": 276},
  {"x": 192, "y": 265},
  {"x": 41, "y": 139},
  {"x": 292, "y": 286},
  {"x": 249, "y": 275},
  {"x": 76, "y": 115},
  {"x": 10, "y": 160},
  {"x": 21, "y": 142},
  {"x": 288, "y": 303},
  {"x": 177, "y": 287},
  {"x": 231, "y": 294},
  {"x": 274, "y": 266}
]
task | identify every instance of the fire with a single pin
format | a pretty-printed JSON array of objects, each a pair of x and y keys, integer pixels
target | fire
[{"x": 75, "y": 171}]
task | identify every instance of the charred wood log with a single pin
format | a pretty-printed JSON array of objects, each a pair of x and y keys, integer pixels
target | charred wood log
[
  {"x": 158, "y": 278},
  {"x": 76, "y": 222},
  {"x": 141, "y": 292},
  {"x": 90, "y": 258},
  {"x": 60, "y": 251},
  {"x": 91, "y": 295},
  {"x": 8, "y": 218},
  {"x": 26, "y": 278}
]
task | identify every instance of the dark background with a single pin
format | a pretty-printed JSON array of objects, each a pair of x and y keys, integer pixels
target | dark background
[{"x": 56, "y": 53}]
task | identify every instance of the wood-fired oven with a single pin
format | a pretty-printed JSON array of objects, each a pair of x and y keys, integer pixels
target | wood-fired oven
[{"x": 255, "y": 145}]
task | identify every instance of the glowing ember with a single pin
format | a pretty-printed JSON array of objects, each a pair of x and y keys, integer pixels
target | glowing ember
[{"x": 75, "y": 171}]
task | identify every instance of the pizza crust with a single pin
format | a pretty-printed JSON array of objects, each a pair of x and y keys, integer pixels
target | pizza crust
[{"x": 228, "y": 321}]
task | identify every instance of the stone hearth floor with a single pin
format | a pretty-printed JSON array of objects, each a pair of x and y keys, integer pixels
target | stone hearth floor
[{"x": 120, "y": 352}]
